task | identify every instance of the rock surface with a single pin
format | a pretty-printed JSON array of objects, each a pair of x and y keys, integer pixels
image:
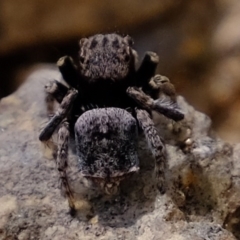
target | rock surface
[{"x": 203, "y": 201}]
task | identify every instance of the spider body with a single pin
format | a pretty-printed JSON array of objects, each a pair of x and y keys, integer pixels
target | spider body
[
  {"x": 106, "y": 102},
  {"x": 106, "y": 68},
  {"x": 106, "y": 143}
]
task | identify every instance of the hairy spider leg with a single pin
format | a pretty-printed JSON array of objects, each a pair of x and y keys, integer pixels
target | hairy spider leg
[
  {"x": 54, "y": 91},
  {"x": 60, "y": 114},
  {"x": 68, "y": 70},
  {"x": 160, "y": 85},
  {"x": 147, "y": 70},
  {"x": 163, "y": 105},
  {"x": 62, "y": 163},
  {"x": 156, "y": 145}
]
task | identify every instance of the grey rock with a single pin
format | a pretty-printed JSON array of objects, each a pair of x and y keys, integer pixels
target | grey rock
[{"x": 203, "y": 201}]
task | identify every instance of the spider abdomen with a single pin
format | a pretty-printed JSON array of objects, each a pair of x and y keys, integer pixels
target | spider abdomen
[{"x": 106, "y": 140}]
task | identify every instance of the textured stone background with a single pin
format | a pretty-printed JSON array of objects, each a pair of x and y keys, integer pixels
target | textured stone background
[
  {"x": 202, "y": 203},
  {"x": 198, "y": 43}
]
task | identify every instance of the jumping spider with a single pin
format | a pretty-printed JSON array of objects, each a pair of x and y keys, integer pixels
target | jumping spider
[{"x": 107, "y": 101}]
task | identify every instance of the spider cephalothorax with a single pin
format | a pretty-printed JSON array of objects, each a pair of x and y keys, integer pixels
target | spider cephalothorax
[
  {"x": 106, "y": 102},
  {"x": 108, "y": 57}
]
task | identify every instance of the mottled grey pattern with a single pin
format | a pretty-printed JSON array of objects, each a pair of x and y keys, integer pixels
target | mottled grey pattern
[
  {"x": 106, "y": 142},
  {"x": 106, "y": 56}
]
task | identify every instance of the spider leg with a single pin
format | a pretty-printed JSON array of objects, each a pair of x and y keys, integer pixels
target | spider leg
[
  {"x": 54, "y": 91},
  {"x": 161, "y": 85},
  {"x": 164, "y": 105},
  {"x": 68, "y": 70},
  {"x": 49, "y": 100},
  {"x": 147, "y": 69},
  {"x": 156, "y": 145},
  {"x": 61, "y": 113},
  {"x": 62, "y": 163}
]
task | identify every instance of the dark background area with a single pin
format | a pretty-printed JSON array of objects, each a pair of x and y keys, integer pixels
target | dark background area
[{"x": 198, "y": 42}]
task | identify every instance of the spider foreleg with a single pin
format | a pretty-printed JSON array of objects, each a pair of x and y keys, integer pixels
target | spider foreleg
[
  {"x": 56, "y": 89},
  {"x": 160, "y": 85},
  {"x": 68, "y": 70},
  {"x": 164, "y": 105},
  {"x": 61, "y": 113},
  {"x": 147, "y": 69}
]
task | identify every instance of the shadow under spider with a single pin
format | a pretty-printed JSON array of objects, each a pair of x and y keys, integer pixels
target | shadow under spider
[{"x": 136, "y": 197}]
